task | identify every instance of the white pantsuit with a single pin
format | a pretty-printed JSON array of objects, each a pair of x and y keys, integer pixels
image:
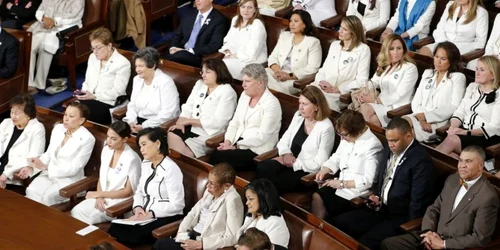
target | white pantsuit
[
  {"x": 274, "y": 226},
  {"x": 305, "y": 59},
  {"x": 346, "y": 70},
  {"x": 66, "y": 13},
  {"x": 214, "y": 112},
  {"x": 372, "y": 18},
  {"x": 316, "y": 148},
  {"x": 318, "y": 9},
  {"x": 437, "y": 102},
  {"x": 157, "y": 102},
  {"x": 466, "y": 36},
  {"x": 31, "y": 143},
  {"x": 249, "y": 45},
  {"x": 396, "y": 89},
  {"x": 128, "y": 168},
  {"x": 65, "y": 165},
  {"x": 493, "y": 45},
  {"x": 421, "y": 27}
]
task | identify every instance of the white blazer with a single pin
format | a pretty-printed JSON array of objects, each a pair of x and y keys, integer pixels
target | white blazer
[
  {"x": 162, "y": 106},
  {"x": 31, "y": 143},
  {"x": 258, "y": 126},
  {"x": 466, "y": 37},
  {"x": 305, "y": 56},
  {"x": 65, "y": 165},
  {"x": 109, "y": 82},
  {"x": 160, "y": 189},
  {"x": 274, "y": 226},
  {"x": 214, "y": 111},
  {"x": 315, "y": 149},
  {"x": 221, "y": 224},
  {"x": 438, "y": 103},
  {"x": 397, "y": 87},
  {"x": 493, "y": 45},
  {"x": 356, "y": 161},
  {"x": 318, "y": 9},
  {"x": 421, "y": 27},
  {"x": 249, "y": 43},
  {"x": 473, "y": 115},
  {"x": 128, "y": 167},
  {"x": 371, "y": 19}
]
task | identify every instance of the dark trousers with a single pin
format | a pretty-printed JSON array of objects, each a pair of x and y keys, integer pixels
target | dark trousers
[
  {"x": 335, "y": 205},
  {"x": 368, "y": 226},
  {"x": 135, "y": 235},
  {"x": 184, "y": 57},
  {"x": 170, "y": 244},
  {"x": 407, "y": 241},
  {"x": 99, "y": 111},
  {"x": 284, "y": 178},
  {"x": 239, "y": 159},
  {"x": 13, "y": 24}
]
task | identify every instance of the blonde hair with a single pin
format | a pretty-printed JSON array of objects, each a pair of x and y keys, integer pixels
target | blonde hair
[
  {"x": 471, "y": 12},
  {"x": 239, "y": 19},
  {"x": 384, "y": 57},
  {"x": 356, "y": 28},
  {"x": 493, "y": 65}
]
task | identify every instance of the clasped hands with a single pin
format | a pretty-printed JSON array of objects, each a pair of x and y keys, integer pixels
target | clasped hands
[
  {"x": 280, "y": 75},
  {"x": 327, "y": 87},
  {"x": 452, "y": 130},
  {"x": 180, "y": 124},
  {"x": 286, "y": 160},
  {"x": 432, "y": 240},
  {"x": 140, "y": 214},
  {"x": 228, "y": 54},
  {"x": 226, "y": 145},
  {"x": 423, "y": 122},
  {"x": 83, "y": 95},
  {"x": 48, "y": 23}
]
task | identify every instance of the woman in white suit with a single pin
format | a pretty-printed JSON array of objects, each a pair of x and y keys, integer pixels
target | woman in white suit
[
  {"x": 319, "y": 9},
  {"x": 296, "y": 55},
  {"x": 357, "y": 159},
  {"x": 22, "y": 136},
  {"x": 118, "y": 176},
  {"x": 213, "y": 222},
  {"x": 464, "y": 23},
  {"x": 106, "y": 79},
  {"x": 256, "y": 123},
  {"x": 246, "y": 40},
  {"x": 207, "y": 112},
  {"x": 493, "y": 44},
  {"x": 155, "y": 99},
  {"x": 396, "y": 77},
  {"x": 372, "y": 13},
  {"x": 347, "y": 65},
  {"x": 304, "y": 146},
  {"x": 439, "y": 92},
  {"x": 64, "y": 161}
]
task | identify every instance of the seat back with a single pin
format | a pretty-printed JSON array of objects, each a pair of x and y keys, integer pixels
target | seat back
[
  {"x": 326, "y": 37},
  {"x": 300, "y": 232},
  {"x": 289, "y": 105},
  {"x": 195, "y": 181},
  {"x": 274, "y": 27},
  {"x": 94, "y": 11},
  {"x": 341, "y": 6}
]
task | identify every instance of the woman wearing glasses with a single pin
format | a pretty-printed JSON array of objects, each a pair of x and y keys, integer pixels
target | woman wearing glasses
[
  {"x": 207, "y": 112},
  {"x": 107, "y": 77},
  {"x": 356, "y": 158}
]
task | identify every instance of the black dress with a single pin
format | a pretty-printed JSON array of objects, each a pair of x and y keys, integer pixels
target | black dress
[{"x": 4, "y": 160}]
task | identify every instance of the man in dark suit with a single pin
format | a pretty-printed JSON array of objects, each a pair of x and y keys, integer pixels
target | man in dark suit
[
  {"x": 200, "y": 33},
  {"x": 16, "y": 13},
  {"x": 402, "y": 193},
  {"x": 464, "y": 215},
  {"x": 8, "y": 54}
]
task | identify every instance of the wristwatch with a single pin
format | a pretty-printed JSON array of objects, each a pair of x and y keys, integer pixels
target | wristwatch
[{"x": 342, "y": 184}]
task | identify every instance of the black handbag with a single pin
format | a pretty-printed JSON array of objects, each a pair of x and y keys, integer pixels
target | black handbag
[{"x": 61, "y": 34}]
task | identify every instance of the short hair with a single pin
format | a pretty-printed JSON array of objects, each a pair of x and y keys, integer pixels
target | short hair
[
  {"x": 102, "y": 34},
  {"x": 121, "y": 128},
  {"x": 84, "y": 110},
  {"x": 493, "y": 65},
  {"x": 155, "y": 134},
  {"x": 357, "y": 30},
  {"x": 476, "y": 149},
  {"x": 255, "y": 239},
  {"x": 402, "y": 125},
  {"x": 224, "y": 173},
  {"x": 220, "y": 69},
  {"x": 453, "y": 54},
  {"x": 269, "y": 200},
  {"x": 316, "y": 97},
  {"x": 384, "y": 57},
  {"x": 149, "y": 55},
  {"x": 28, "y": 103},
  {"x": 255, "y": 71},
  {"x": 239, "y": 19},
  {"x": 350, "y": 121},
  {"x": 310, "y": 29}
]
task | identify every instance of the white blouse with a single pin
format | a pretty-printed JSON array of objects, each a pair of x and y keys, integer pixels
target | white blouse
[{"x": 249, "y": 43}]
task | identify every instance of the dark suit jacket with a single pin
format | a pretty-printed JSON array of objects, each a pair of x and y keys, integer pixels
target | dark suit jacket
[
  {"x": 210, "y": 37},
  {"x": 472, "y": 223},
  {"x": 8, "y": 54},
  {"x": 411, "y": 188},
  {"x": 23, "y": 14}
]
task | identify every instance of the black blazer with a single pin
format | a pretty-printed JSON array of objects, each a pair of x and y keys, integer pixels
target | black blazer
[
  {"x": 8, "y": 54},
  {"x": 411, "y": 191},
  {"x": 210, "y": 37},
  {"x": 23, "y": 14}
]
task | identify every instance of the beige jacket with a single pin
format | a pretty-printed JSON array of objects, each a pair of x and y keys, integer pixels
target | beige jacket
[{"x": 136, "y": 22}]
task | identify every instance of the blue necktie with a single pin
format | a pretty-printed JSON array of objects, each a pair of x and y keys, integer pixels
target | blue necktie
[{"x": 194, "y": 33}]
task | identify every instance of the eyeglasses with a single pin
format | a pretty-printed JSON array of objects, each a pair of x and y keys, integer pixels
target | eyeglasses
[{"x": 97, "y": 48}]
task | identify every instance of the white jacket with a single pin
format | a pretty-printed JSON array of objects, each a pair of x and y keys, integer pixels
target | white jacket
[
  {"x": 249, "y": 43},
  {"x": 274, "y": 226},
  {"x": 397, "y": 87},
  {"x": 421, "y": 27},
  {"x": 371, "y": 19},
  {"x": 493, "y": 45}
]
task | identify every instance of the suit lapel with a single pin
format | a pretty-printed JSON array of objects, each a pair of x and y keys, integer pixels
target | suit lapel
[
  {"x": 206, "y": 22},
  {"x": 383, "y": 168},
  {"x": 468, "y": 197},
  {"x": 287, "y": 47}
]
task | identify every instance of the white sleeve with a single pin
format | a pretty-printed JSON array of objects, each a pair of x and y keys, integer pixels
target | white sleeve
[
  {"x": 169, "y": 99},
  {"x": 494, "y": 37},
  {"x": 120, "y": 83},
  {"x": 444, "y": 113},
  {"x": 73, "y": 15},
  {"x": 173, "y": 180},
  {"x": 423, "y": 21},
  {"x": 248, "y": 53},
  {"x": 362, "y": 73},
  {"x": 325, "y": 147},
  {"x": 405, "y": 86},
  {"x": 78, "y": 163}
]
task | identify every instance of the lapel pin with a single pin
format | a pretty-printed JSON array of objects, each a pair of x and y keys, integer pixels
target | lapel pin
[
  {"x": 428, "y": 86},
  {"x": 202, "y": 94},
  {"x": 430, "y": 80},
  {"x": 396, "y": 76}
]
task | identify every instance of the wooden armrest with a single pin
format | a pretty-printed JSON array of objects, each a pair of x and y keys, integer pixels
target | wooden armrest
[
  {"x": 68, "y": 101},
  {"x": 493, "y": 150},
  {"x": 467, "y": 57},
  {"x": 306, "y": 80},
  {"x": 216, "y": 55},
  {"x": 412, "y": 225},
  {"x": 346, "y": 98},
  {"x": 27, "y": 25},
  {"x": 266, "y": 156},
  {"x": 308, "y": 180},
  {"x": 441, "y": 131},
  {"x": 118, "y": 210},
  {"x": 375, "y": 33},
  {"x": 331, "y": 22},
  {"x": 120, "y": 113},
  {"x": 166, "y": 125},
  {"x": 422, "y": 42},
  {"x": 399, "y": 112},
  {"x": 166, "y": 231},
  {"x": 285, "y": 12},
  {"x": 79, "y": 186},
  {"x": 213, "y": 142}
]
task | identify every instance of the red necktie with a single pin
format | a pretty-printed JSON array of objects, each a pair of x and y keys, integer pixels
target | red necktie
[{"x": 463, "y": 183}]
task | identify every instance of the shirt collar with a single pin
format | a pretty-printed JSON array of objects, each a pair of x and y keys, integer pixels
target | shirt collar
[
  {"x": 205, "y": 15},
  {"x": 472, "y": 182}
]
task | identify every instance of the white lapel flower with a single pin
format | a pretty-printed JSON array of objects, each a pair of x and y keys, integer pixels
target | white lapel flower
[{"x": 207, "y": 21}]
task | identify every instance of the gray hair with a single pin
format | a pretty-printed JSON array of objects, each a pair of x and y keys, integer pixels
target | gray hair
[
  {"x": 255, "y": 71},
  {"x": 149, "y": 55},
  {"x": 477, "y": 150}
]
